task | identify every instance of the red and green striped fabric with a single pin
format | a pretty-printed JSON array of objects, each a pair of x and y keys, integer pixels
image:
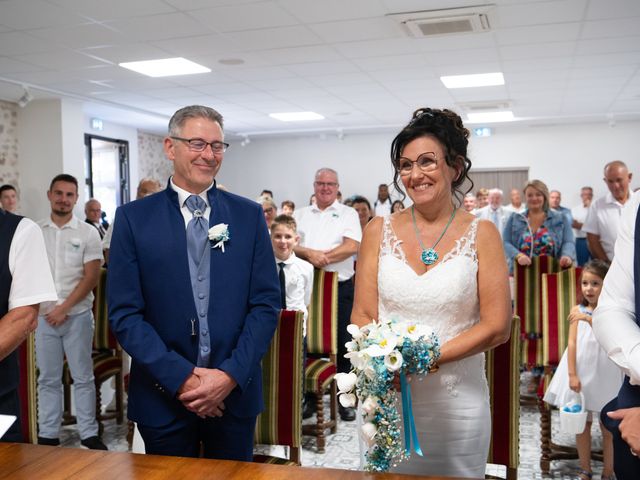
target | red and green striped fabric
[
  {"x": 560, "y": 292},
  {"x": 528, "y": 305},
  {"x": 281, "y": 421},
  {"x": 322, "y": 334},
  {"x": 503, "y": 377},
  {"x": 319, "y": 373}
]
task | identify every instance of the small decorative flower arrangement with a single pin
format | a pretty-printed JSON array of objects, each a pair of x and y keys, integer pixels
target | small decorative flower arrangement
[
  {"x": 378, "y": 352},
  {"x": 218, "y": 234}
]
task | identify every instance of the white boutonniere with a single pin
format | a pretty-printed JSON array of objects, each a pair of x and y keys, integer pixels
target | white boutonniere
[{"x": 219, "y": 234}]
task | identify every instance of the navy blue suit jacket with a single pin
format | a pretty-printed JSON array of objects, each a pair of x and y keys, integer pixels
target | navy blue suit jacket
[{"x": 151, "y": 303}]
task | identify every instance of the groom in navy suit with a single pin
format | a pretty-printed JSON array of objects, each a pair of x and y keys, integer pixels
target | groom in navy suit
[{"x": 193, "y": 297}]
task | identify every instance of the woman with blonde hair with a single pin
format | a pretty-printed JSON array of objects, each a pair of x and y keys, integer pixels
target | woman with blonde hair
[{"x": 538, "y": 230}]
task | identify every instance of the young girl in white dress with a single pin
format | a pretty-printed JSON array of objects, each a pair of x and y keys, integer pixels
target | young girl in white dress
[{"x": 585, "y": 367}]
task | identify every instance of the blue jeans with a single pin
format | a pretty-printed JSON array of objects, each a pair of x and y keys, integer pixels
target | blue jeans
[{"x": 74, "y": 338}]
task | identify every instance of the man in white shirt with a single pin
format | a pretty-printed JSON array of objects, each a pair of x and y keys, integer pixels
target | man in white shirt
[
  {"x": 495, "y": 211},
  {"x": 382, "y": 205},
  {"x": 616, "y": 325},
  {"x": 25, "y": 282},
  {"x": 603, "y": 218},
  {"x": 579, "y": 215},
  {"x": 66, "y": 329},
  {"x": 516, "y": 205},
  {"x": 330, "y": 235}
]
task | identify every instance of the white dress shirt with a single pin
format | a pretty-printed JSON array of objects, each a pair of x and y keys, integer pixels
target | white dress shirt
[
  {"x": 498, "y": 216},
  {"x": 182, "y": 198},
  {"x": 603, "y": 219},
  {"x": 326, "y": 229},
  {"x": 382, "y": 209},
  {"x": 31, "y": 281},
  {"x": 579, "y": 214},
  {"x": 614, "y": 319},
  {"x": 298, "y": 284},
  {"x": 68, "y": 249}
]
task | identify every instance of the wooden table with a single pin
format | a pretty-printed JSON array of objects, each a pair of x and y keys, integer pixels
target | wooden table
[{"x": 26, "y": 461}]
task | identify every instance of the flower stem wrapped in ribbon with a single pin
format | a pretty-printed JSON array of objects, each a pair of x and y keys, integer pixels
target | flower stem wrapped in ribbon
[
  {"x": 378, "y": 352},
  {"x": 219, "y": 233}
]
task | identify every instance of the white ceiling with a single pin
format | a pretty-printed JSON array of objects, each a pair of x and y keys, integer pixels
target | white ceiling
[{"x": 563, "y": 60}]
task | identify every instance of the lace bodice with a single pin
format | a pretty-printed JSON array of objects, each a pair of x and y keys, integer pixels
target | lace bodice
[{"x": 445, "y": 297}]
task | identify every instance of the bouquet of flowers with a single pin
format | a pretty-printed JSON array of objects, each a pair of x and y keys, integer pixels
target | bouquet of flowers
[{"x": 378, "y": 352}]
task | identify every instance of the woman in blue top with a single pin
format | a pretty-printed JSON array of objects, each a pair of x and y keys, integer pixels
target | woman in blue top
[{"x": 538, "y": 230}]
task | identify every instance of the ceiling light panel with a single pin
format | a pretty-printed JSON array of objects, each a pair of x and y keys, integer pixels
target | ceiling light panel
[
  {"x": 473, "y": 80},
  {"x": 166, "y": 67}
]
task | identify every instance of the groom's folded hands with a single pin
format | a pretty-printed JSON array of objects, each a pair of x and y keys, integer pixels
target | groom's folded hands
[{"x": 207, "y": 399}]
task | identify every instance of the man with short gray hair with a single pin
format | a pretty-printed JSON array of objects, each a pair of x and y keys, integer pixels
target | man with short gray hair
[
  {"x": 495, "y": 211},
  {"x": 330, "y": 235}
]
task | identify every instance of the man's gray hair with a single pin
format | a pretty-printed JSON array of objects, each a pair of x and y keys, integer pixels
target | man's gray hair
[
  {"x": 193, "y": 111},
  {"x": 496, "y": 190},
  {"x": 326, "y": 170}
]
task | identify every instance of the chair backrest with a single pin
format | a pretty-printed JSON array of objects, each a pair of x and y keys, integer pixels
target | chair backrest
[
  {"x": 528, "y": 305},
  {"x": 322, "y": 333},
  {"x": 503, "y": 377},
  {"x": 560, "y": 292},
  {"x": 282, "y": 375},
  {"x": 27, "y": 389},
  {"x": 103, "y": 338}
]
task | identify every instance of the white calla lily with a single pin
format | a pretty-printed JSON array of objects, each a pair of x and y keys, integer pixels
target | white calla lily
[
  {"x": 393, "y": 361},
  {"x": 369, "y": 433},
  {"x": 346, "y": 381},
  {"x": 354, "y": 331},
  {"x": 382, "y": 346},
  {"x": 370, "y": 405},
  {"x": 347, "y": 400}
]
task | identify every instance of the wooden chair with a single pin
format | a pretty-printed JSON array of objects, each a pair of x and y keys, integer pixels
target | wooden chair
[
  {"x": 28, "y": 389},
  {"x": 322, "y": 348},
  {"x": 528, "y": 306},
  {"x": 560, "y": 292},
  {"x": 107, "y": 360},
  {"x": 503, "y": 377},
  {"x": 281, "y": 421}
]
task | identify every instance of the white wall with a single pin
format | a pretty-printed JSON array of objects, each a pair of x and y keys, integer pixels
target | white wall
[{"x": 566, "y": 157}]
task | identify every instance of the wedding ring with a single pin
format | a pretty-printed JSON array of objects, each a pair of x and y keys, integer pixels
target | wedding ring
[{"x": 634, "y": 453}]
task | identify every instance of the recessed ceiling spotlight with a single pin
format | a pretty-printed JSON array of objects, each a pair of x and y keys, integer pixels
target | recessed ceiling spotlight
[
  {"x": 474, "y": 80},
  {"x": 296, "y": 116},
  {"x": 231, "y": 61},
  {"x": 165, "y": 67}
]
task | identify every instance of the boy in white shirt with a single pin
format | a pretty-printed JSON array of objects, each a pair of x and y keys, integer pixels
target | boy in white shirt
[{"x": 298, "y": 273}]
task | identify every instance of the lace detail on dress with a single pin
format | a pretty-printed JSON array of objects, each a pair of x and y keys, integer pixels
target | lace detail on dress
[
  {"x": 390, "y": 243},
  {"x": 444, "y": 297}
]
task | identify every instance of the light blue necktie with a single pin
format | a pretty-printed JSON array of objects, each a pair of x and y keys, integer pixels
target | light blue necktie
[{"x": 196, "y": 228}]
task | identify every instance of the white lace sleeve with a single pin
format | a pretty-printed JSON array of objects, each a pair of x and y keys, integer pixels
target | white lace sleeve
[{"x": 390, "y": 245}]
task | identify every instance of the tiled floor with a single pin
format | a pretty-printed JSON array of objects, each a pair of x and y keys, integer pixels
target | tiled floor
[{"x": 342, "y": 448}]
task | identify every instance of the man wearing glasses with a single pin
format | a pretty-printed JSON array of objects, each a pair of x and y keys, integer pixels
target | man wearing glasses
[
  {"x": 330, "y": 235},
  {"x": 193, "y": 297}
]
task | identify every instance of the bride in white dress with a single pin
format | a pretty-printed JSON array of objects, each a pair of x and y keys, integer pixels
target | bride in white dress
[{"x": 436, "y": 264}]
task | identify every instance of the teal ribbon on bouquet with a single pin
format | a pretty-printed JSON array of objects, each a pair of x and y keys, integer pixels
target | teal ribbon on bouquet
[{"x": 410, "y": 433}]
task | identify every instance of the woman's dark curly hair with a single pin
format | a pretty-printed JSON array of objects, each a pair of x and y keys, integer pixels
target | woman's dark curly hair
[{"x": 446, "y": 126}]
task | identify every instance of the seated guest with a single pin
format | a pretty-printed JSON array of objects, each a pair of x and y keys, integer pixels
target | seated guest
[
  {"x": 287, "y": 207},
  {"x": 579, "y": 215},
  {"x": 9, "y": 198},
  {"x": 495, "y": 212},
  {"x": 93, "y": 213},
  {"x": 397, "y": 206},
  {"x": 363, "y": 207},
  {"x": 538, "y": 231}
]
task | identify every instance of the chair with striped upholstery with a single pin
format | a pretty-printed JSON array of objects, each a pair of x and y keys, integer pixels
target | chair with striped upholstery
[
  {"x": 281, "y": 421},
  {"x": 107, "y": 359},
  {"x": 560, "y": 292},
  {"x": 503, "y": 377},
  {"x": 28, "y": 389},
  {"x": 322, "y": 349},
  {"x": 528, "y": 306}
]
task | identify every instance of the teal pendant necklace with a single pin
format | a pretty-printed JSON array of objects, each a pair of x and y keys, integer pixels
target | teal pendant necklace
[{"x": 429, "y": 256}]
